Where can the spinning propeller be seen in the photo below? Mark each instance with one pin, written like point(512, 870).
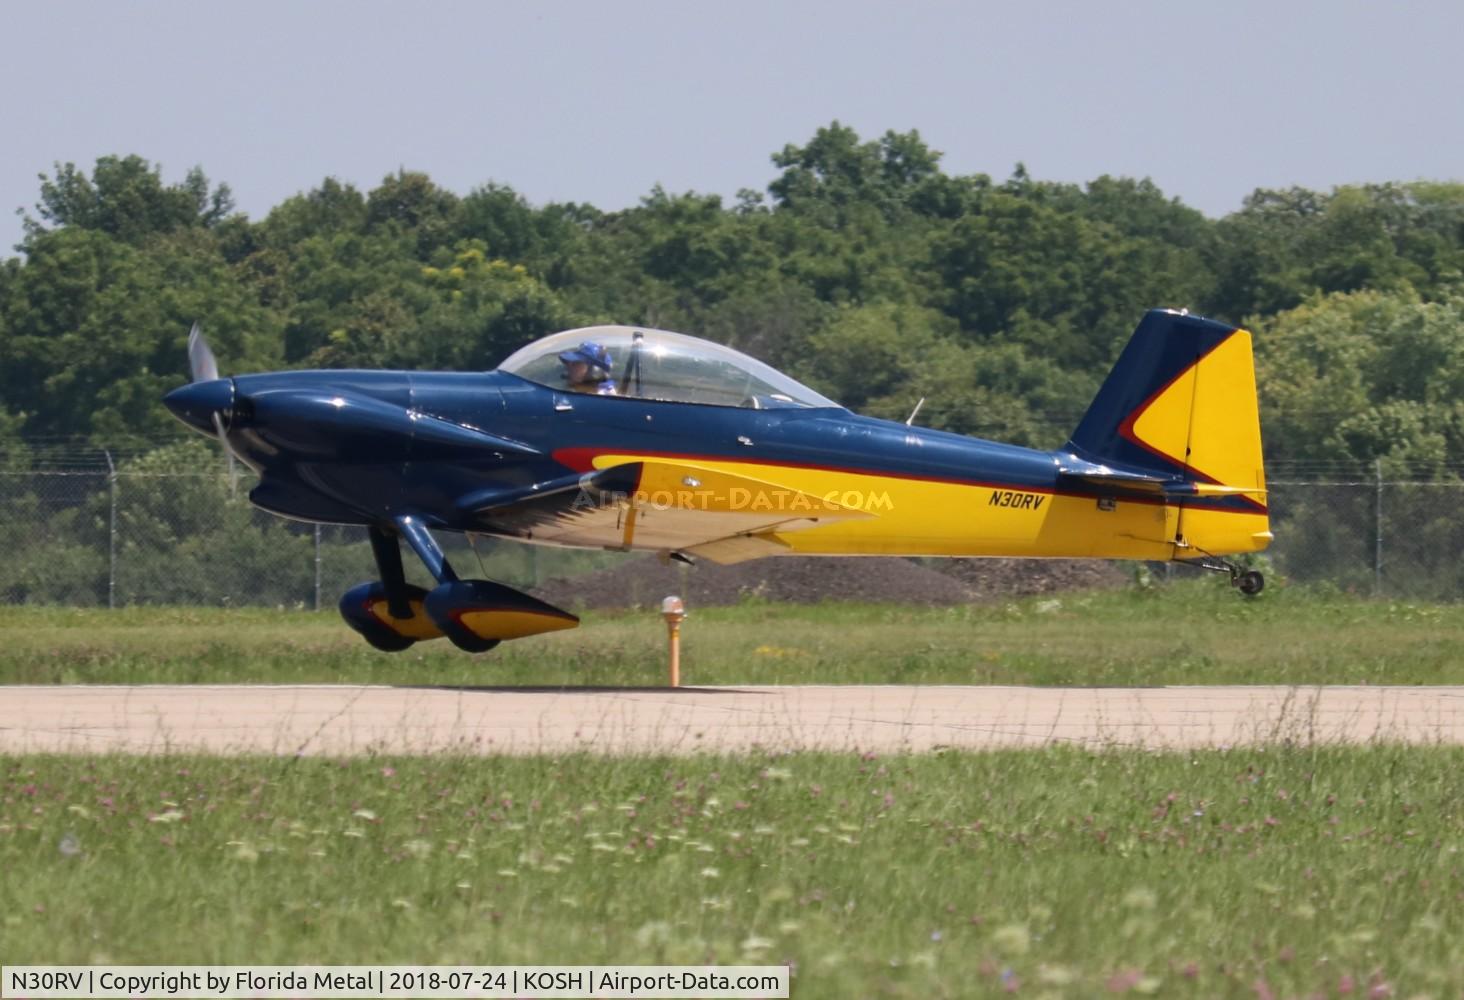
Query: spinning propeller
point(207, 401)
point(201, 361)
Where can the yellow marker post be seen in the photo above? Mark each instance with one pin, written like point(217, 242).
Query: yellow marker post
point(673, 609)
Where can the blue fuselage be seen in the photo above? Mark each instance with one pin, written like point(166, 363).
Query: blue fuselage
point(360, 447)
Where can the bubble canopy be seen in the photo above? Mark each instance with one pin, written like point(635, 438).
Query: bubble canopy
point(659, 364)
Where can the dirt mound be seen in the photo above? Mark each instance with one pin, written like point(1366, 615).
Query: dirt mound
point(994, 579)
point(806, 580)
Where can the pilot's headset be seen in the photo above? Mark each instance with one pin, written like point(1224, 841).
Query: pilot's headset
point(593, 354)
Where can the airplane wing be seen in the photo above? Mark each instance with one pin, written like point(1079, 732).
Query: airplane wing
point(721, 516)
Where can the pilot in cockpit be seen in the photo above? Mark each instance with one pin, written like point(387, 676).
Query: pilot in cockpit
point(587, 369)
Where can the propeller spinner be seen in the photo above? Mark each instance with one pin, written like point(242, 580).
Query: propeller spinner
point(207, 403)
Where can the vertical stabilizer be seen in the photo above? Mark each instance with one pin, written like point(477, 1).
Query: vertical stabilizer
point(1180, 404)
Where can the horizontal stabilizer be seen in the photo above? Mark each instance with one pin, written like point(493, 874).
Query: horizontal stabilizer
point(1122, 482)
point(1169, 487)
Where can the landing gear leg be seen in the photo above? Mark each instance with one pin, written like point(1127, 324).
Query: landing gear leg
point(389, 567)
point(1249, 582)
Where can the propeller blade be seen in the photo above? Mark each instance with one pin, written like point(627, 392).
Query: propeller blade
point(201, 363)
point(218, 422)
point(204, 367)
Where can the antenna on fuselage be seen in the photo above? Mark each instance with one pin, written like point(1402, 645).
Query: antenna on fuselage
point(911, 418)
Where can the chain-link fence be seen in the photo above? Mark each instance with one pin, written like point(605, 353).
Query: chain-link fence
point(115, 538)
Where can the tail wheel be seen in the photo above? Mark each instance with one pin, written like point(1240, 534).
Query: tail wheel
point(1250, 583)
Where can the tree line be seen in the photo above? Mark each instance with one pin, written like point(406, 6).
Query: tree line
point(863, 268)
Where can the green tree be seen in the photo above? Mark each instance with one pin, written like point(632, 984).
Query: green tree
point(1362, 376)
point(96, 331)
point(125, 197)
point(882, 360)
point(1027, 272)
point(409, 202)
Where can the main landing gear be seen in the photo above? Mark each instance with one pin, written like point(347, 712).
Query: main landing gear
point(475, 615)
point(1249, 582)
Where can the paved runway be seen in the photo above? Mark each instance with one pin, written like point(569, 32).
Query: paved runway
point(338, 720)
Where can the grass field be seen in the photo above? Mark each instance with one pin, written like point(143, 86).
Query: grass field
point(1197, 632)
point(1279, 872)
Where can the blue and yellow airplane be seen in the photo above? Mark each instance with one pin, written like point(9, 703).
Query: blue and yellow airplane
point(624, 438)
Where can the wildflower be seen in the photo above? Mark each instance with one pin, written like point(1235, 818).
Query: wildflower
point(710, 873)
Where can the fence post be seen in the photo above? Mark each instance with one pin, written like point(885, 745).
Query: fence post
point(1378, 533)
point(317, 567)
point(111, 531)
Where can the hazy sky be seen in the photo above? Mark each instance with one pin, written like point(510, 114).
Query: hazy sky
point(598, 102)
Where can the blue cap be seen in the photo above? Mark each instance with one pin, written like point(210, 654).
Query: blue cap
point(590, 353)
